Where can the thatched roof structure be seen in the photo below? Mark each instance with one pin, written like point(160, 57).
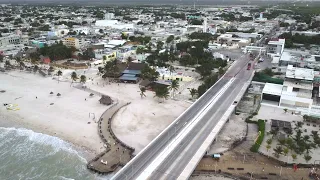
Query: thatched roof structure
point(106, 100)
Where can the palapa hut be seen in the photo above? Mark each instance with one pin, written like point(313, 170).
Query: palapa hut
point(106, 100)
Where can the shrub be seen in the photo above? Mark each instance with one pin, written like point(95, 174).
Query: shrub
point(262, 77)
point(261, 126)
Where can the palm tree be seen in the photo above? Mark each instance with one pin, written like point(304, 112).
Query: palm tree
point(294, 157)
point(83, 79)
point(308, 147)
point(51, 69)
point(285, 110)
point(255, 97)
point(277, 151)
point(21, 64)
point(101, 70)
point(221, 71)
point(18, 60)
point(268, 148)
point(59, 73)
point(171, 69)
point(161, 93)
point(142, 91)
point(7, 63)
point(193, 92)
point(129, 59)
point(74, 77)
point(35, 68)
point(289, 143)
point(285, 152)
point(269, 141)
point(174, 86)
point(282, 142)
point(307, 157)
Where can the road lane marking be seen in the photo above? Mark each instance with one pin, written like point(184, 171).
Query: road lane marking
point(176, 140)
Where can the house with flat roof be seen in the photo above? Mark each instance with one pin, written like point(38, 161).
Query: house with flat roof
point(298, 59)
point(296, 91)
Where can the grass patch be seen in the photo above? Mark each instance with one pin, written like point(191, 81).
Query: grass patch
point(262, 126)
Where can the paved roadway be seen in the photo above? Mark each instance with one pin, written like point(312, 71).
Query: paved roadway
point(175, 163)
point(133, 169)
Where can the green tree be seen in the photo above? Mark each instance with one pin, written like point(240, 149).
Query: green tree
point(1, 58)
point(269, 141)
point(277, 151)
point(161, 92)
point(174, 86)
point(170, 39)
point(59, 73)
point(294, 157)
point(142, 91)
point(74, 77)
point(171, 69)
point(159, 45)
point(140, 50)
point(193, 92)
point(268, 148)
point(83, 79)
point(268, 72)
point(149, 73)
point(307, 157)
point(129, 59)
point(35, 68)
point(100, 70)
point(285, 110)
point(285, 152)
point(51, 69)
point(21, 64)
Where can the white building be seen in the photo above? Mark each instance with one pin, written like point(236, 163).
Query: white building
point(13, 39)
point(296, 91)
point(298, 59)
point(115, 24)
point(108, 16)
point(82, 29)
point(275, 47)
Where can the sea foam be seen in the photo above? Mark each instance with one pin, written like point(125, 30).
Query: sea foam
point(56, 143)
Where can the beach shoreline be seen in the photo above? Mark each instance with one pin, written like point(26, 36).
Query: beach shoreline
point(7, 121)
point(66, 117)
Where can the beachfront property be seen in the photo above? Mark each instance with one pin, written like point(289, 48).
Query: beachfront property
point(165, 74)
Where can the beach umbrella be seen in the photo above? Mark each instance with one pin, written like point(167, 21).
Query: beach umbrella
point(91, 94)
point(58, 94)
point(51, 92)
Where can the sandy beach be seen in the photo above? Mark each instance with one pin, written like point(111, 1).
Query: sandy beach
point(67, 118)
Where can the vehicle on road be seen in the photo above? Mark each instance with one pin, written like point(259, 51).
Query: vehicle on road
point(249, 66)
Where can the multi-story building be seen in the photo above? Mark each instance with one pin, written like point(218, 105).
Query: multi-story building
point(75, 42)
point(13, 39)
point(297, 87)
point(108, 16)
point(275, 47)
point(296, 91)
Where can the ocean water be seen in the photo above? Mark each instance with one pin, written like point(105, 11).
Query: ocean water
point(28, 155)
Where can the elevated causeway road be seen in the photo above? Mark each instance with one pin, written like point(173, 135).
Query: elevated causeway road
point(176, 160)
point(202, 116)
